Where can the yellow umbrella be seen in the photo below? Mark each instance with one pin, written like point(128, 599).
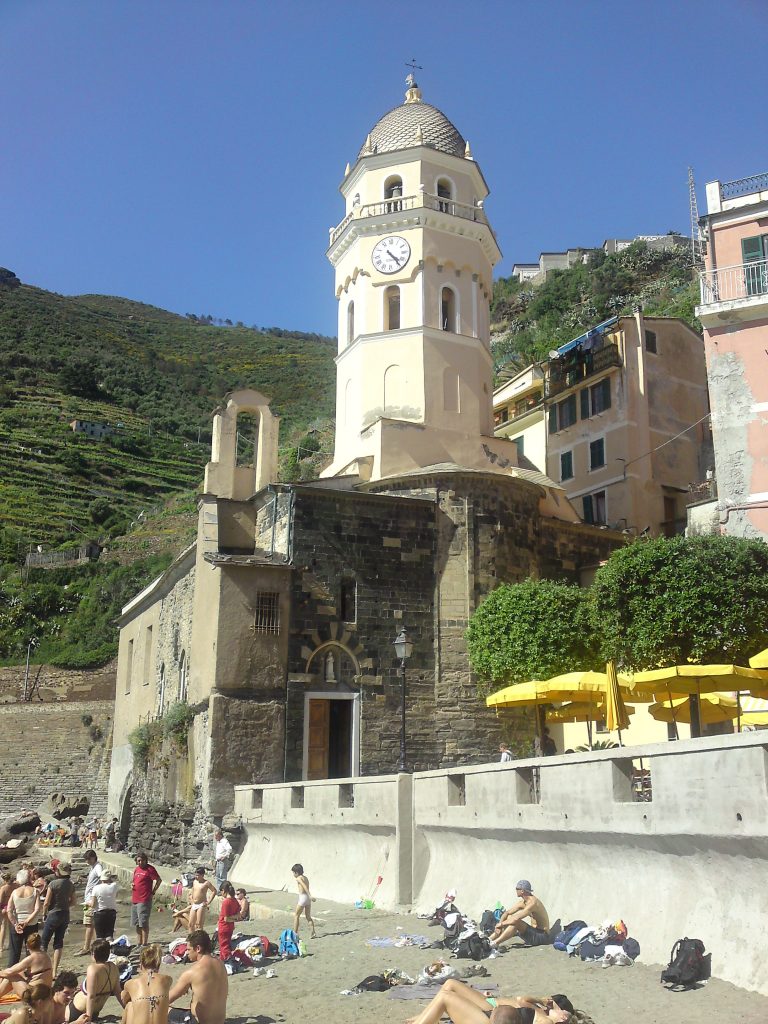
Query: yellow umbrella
point(714, 707)
point(616, 716)
point(580, 711)
point(687, 680)
point(759, 660)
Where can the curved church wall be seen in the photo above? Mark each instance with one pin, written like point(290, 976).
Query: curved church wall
point(693, 860)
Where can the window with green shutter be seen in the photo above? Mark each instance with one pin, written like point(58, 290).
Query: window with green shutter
point(754, 250)
point(553, 419)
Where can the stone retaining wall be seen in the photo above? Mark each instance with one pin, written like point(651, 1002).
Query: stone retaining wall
point(47, 749)
point(59, 684)
point(693, 860)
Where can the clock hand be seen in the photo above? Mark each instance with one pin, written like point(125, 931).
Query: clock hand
point(392, 255)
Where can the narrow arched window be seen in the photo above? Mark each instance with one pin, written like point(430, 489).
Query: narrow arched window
point(183, 677)
point(450, 390)
point(393, 390)
point(448, 309)
point(392, 308)
point(393, 192)
point(350, 322)
point(444, 194)
point(161, 690)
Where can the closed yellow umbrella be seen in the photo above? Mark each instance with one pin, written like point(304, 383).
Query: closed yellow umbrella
point(616, 716)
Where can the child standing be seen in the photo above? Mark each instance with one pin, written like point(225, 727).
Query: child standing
point(305, 899)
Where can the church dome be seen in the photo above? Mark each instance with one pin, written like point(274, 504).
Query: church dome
point(414, 123)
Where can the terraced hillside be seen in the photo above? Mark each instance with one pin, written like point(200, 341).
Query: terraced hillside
point(154, 377)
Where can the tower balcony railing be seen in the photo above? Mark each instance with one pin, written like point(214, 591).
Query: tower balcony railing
point(741, 281)
point(397, 204)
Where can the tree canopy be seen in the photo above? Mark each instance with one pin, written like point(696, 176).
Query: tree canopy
point(531, 630)
point(670, 601)
point(654, 603)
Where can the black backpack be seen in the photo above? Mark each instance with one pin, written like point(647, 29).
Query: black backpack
point(687, 964)
point(474, 947)
point(488, 922)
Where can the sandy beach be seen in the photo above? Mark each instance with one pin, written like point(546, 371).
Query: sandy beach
point(309, 989)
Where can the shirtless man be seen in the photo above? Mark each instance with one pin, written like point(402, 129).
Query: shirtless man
point(466, 1005)
point(513, 920)
point(201, 895)
point(207, 978)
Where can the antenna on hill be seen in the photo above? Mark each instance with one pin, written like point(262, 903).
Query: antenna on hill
point(695, 229)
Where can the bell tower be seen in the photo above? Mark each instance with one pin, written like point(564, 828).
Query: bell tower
point(413, 259)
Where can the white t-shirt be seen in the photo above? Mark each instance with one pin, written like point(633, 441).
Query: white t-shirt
point(94, 876)
point(223, 849)
point(105, 895)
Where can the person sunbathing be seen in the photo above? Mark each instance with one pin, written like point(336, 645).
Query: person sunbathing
point(35, 968)
point(513, 922)
point(466, 1005)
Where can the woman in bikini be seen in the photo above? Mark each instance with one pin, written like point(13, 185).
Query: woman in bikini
point(146, 998)
point(466, 1005)
point(102, 980)
point(33, 969)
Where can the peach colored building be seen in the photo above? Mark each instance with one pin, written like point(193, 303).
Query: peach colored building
point(627, 430)
point(734, 314)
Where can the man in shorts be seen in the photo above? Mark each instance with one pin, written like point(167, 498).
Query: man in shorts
point(207, 978)
point(144, 885)
point(513, 921)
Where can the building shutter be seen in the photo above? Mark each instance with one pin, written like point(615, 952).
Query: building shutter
point(585, 403)
point(553, 419)
point(751, 249)
point(589, 516)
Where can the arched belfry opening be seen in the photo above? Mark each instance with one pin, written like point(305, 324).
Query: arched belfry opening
point(244, 447)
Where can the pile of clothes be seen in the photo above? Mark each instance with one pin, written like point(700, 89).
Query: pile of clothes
point(608, 942)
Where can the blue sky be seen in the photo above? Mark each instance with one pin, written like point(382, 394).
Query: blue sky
point(187, 153)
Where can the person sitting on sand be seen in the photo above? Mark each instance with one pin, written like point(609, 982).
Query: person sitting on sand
point(145, 998)
point(512, 921)
point(207, 978)
point(36, 968)
point(245, 904)
point(466, 1005)
point(43, 1005)
point(305, 900)
point(102, 980)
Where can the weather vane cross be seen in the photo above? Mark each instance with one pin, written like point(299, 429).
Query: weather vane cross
point(410, 79)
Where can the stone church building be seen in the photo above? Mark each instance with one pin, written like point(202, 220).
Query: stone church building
point(277, 626)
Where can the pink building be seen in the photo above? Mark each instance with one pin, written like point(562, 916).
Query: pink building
point(734, 314)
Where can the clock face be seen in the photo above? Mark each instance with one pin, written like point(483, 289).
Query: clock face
point(391, 254)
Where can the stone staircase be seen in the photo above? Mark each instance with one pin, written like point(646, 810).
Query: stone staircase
point(45, 748)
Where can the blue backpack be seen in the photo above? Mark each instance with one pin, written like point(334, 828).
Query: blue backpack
point(288, 943)
point(565, 936)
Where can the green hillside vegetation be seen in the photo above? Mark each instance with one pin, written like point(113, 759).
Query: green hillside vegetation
point(528, 321)
point(155, 378)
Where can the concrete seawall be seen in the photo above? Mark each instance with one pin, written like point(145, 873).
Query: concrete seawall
point(693, 860)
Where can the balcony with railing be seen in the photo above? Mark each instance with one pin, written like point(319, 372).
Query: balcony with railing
point(577, 366)
point(743, 286)
point(397, 204)
point(744, 186)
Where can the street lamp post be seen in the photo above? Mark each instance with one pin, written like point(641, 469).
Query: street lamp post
point(403, 648)
point(32, 643)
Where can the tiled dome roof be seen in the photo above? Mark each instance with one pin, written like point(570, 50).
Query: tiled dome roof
point(414, 123)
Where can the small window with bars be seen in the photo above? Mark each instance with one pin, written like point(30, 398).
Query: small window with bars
point(266, 614)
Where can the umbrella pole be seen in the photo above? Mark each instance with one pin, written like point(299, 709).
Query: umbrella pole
point(674, 716)
point(589, 732)
point(738, 711)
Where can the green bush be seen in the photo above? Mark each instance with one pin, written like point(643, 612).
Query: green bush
point(144, 740)
point(176, 723)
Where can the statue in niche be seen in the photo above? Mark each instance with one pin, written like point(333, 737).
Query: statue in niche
point(330, 668)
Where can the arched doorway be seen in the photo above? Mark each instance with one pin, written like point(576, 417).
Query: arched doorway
point(332, 716)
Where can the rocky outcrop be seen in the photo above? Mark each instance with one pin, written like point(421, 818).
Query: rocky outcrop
point(62, 805)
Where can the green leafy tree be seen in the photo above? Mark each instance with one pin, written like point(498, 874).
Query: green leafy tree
point(531, 630)
point(672, 601)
